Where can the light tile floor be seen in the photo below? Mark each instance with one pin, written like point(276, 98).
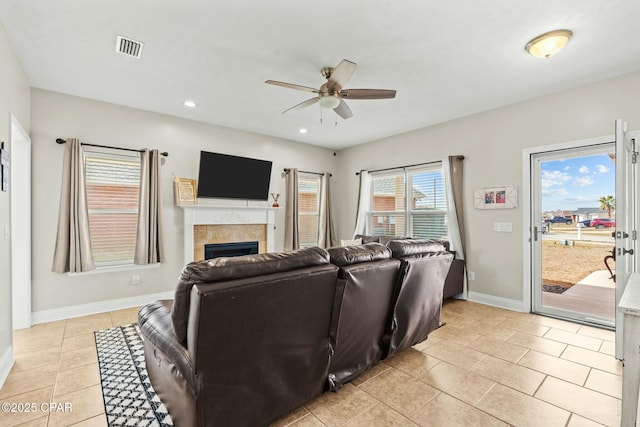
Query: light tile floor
point(487, 366)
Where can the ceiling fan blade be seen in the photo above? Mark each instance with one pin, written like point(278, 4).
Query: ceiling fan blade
point(302, 105)
point(343, 110)
point(292, 86)
point(367, 93)
point(341, 75)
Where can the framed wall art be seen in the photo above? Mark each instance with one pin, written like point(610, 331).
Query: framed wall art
point(185, 191)
point(499, 197)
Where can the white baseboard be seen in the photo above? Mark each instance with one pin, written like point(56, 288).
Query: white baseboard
point(509, 304)
point(6, 363)
point(96, 307)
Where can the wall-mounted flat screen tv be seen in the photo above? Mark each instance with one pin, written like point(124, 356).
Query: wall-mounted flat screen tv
point(232, 177)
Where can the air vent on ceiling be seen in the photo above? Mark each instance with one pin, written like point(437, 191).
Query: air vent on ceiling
point(129, 47)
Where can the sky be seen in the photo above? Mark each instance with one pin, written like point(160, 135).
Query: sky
point(577, 182)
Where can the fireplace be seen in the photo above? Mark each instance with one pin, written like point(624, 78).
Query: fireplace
point(216, 250)
point(222, 224)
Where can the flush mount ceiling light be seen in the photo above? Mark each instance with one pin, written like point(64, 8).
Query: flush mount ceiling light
point(189, 103)
point(548, 44)
point(302, 130)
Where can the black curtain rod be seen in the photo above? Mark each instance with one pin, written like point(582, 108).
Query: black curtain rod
point(62, 141)
point(407, 166)
point(286, 170)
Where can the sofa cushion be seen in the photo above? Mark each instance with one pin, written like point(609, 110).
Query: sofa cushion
point(222, 269)
point(347, 255)
point(403, 248)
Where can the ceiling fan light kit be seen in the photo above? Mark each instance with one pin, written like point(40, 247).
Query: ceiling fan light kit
point(331, 94)
point(548, 44)
point(329, 101)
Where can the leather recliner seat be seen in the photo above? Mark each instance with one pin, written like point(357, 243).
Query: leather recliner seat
point(367, 280)
point(418, 302)
point(247, 339)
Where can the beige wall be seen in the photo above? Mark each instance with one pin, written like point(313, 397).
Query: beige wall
point(56, 115)
point(492, 143)
point(14, 99)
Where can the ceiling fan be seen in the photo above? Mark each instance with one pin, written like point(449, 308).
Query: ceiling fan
point(331, 94)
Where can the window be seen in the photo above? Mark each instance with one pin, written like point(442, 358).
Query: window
point(409, 203)
point(113, 186)
point(308, 209)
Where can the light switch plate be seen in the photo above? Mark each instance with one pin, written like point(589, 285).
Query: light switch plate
point(503, 227)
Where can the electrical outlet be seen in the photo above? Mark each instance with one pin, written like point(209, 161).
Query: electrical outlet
point(471, 275)
point(135, 280)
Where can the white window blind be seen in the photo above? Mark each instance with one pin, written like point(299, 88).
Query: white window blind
point(428, 209)
point(421, 215)
point(113, 186)
point(308, 209)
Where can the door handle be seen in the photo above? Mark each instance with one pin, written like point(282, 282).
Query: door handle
point(623, 251)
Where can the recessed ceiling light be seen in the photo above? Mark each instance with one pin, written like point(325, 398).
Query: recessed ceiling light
point(189, 103)
point(303, 130)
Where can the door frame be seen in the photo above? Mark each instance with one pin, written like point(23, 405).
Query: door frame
point(527, 225)
point(536, 257)
point(20, 202)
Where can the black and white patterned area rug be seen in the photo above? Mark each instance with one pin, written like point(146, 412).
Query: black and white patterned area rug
point(129, 398)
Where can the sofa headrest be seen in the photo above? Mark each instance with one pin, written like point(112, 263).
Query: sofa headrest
point(367, 239)
point(386, 239)
point(402, 248)
point(220, 269)
point(379, 239)
point(347, 255)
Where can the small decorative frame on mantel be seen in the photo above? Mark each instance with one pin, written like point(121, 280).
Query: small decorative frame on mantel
point(185, 191)
point(500, 197)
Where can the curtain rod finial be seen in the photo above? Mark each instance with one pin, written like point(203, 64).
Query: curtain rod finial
point(60, 141)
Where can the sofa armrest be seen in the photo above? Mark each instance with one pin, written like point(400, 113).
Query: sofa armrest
point(156, 326)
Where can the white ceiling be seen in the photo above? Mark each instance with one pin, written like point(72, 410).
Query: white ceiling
point(446, 59)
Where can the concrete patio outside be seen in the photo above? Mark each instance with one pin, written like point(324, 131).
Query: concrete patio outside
point(595, 295)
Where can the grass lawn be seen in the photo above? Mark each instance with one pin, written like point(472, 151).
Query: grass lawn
point(566, 265)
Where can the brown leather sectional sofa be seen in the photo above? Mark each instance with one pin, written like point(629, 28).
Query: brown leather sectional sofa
point(247, 340)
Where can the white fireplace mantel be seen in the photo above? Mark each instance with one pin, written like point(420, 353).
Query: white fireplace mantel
point(220, 215)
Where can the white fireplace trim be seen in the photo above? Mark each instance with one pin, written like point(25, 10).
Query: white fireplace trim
point(217, 215)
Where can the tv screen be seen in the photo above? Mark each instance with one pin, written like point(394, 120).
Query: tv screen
point(232, 177)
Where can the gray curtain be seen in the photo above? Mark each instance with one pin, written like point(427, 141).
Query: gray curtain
point(149, 242)
point(73, 244)
point(291, 235)
point(326, 234)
